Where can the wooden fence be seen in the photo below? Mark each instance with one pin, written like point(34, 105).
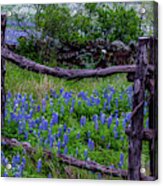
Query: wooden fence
point(144, 75)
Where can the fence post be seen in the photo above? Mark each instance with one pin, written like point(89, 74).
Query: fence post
point(3, 70)
point(136, 126)
point(153, 108)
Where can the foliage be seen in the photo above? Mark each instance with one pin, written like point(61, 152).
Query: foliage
point(97, 20)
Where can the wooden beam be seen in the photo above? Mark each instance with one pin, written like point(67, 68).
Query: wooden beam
point(88, 165)
point(30, 65)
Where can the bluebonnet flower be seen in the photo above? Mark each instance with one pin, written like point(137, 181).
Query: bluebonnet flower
point(117, 122)
point(96, 125)
point(15, 160)
point(59, 144)
point(85, 154)
point(71, 109)
point(61, 90)
point(64, 127)
point(38, 108)
point(44, 124)
point(97, 101)
point(95, 117)
point(82, 121)
point(9, 95)
point(110, 121)
point(112, 89)
point(20, 169)
point(83, 95)
point(115, 132)
point(26, 135)
point(59, 132)
point(53, 93)
point(116, 102)
point(121, 162)
point(90, 144)
point(95, 92)
point(43, 105)
point(3, 159)
point(5, 174)
point(39, 134)
point(65, 150)
point(65, 139)
point(124, 123)
point(102, 118)
point(39, 165)
point(17, 174)
point(104, 106)
point(108, 146)
point(121, 96)
point(103, 137)
point(23, 162)
point(68, 130)
point(128, 116)
point(79, 103)
point(54, 118)
point(51, 140)
point(88, 102)
point(78, 135)
point(88, 134)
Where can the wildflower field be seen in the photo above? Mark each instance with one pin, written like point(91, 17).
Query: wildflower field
point(84, 119)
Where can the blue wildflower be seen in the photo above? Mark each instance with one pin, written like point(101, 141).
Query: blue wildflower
point(65, 139)
point(78, 135)
point(39, 165)
point(110, 121)
point(5, 174)
point(65, 150)
point(82, 121)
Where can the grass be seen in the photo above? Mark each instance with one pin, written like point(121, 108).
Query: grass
point(25, 82)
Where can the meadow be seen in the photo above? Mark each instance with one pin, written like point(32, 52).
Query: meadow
point(84, 119)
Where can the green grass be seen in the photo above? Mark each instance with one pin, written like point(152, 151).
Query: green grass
point(23, 81)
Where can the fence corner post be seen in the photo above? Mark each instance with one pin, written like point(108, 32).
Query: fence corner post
point(136, 126)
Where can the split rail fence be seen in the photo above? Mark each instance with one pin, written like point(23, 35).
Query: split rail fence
point(144, 76)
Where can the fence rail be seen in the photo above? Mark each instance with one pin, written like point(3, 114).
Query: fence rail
point(143, 74)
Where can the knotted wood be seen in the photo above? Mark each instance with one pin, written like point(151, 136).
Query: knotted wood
point(135, 141)
point(30, 65)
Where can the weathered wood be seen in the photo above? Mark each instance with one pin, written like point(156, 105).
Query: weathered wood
point(3, 70)
point(88, 165)
point(153, 108)
point(63, 73)
point(146, 134)
point(135, 142)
